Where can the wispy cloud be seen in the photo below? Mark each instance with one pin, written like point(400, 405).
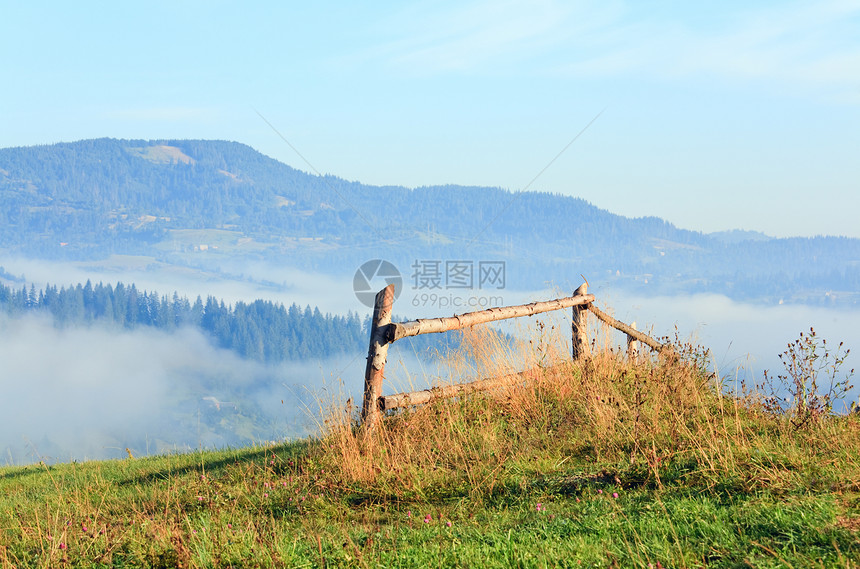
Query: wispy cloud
point(478, 35)
point(798, 45)
point(807, 44)
point(161, 114)
point(801, 43)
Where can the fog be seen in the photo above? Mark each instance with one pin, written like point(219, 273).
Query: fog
point(228, 281)
point(744, 339)
point(738, 334)
point(90, 393)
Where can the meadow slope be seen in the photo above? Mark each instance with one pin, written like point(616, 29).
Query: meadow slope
point(610, 462)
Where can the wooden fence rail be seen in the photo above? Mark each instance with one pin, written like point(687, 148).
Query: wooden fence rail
point(383, 333)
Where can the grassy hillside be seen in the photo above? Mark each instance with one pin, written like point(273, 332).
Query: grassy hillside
point(605, 463)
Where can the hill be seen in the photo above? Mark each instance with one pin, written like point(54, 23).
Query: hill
point(197, 202)
point(609, 463)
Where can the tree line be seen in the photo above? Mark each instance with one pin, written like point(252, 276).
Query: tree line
point(262, 330)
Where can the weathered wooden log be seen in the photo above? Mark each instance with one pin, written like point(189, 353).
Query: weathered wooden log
point(632, 345)
point(398, 330)
point(400, 400)
point(376, 356)
point(632, 332)
point(384, 332)
point(579, 346)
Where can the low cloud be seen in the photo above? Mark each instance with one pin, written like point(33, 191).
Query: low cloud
point(230, 280)
point(744, 339)
point(88, 393)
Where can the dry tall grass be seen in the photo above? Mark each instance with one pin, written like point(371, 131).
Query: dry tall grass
point(649, 417)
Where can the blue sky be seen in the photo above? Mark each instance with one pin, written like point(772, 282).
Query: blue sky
point(733, 115)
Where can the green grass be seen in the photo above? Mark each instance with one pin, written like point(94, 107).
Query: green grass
point(601, 464)
point(214, 509)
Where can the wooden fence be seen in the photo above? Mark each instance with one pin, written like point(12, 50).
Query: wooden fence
point(384, 332)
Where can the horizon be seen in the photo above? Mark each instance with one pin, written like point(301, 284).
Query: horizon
point(713, 119)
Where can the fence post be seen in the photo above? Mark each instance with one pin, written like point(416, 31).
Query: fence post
point(579, 327)
point(632, 345)
point(376, 356)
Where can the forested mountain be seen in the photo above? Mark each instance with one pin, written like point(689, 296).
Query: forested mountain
point(193, 202)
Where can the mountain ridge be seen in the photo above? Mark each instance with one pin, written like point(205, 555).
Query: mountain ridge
point(198, 201)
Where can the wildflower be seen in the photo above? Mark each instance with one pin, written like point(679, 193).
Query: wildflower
point(540, 507)
point(229, 526)
point(428, 518)
point(449, 523)
point(266, 495)
point(63, 546)
point(84, 528)
point(408, 513)
point(199, 498)
point(599, 491)
point(615, 494)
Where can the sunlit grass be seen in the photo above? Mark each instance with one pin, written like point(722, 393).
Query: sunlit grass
point(609, 462)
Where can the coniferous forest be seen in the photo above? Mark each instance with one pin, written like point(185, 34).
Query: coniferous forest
point(261, 330)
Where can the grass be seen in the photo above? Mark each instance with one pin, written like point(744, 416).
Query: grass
point(607, 463)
